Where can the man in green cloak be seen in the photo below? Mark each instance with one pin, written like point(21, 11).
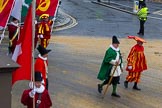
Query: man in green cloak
point(112, 58)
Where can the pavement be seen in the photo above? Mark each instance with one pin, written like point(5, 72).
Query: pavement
point(127, 6)
point(62, 20)
point(73, 67)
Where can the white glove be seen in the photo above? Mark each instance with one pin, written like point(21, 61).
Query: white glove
point(32, 93)
point(54, 19)
point(130, 67)
point(31, 85)
point(35, 21)
point(41, 36)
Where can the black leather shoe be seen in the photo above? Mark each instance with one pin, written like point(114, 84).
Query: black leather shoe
point(136, 88)
point(99, 88)
point(115, 95)
point(140, 34)
point(125, 84)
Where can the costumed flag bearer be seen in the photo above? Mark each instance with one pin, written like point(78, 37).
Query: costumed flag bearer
point(136, 63)
point(41, 64)
point(42, 98)
point(13, 29)
point(36, 34)
point(112, 58)
point(44, 31)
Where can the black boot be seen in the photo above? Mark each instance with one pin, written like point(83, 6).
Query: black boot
point(126, 84)
point(140, 34)
point(100, 88)
point(135, 87)
point(115, 95)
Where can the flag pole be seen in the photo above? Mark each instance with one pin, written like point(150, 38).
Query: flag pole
point(33, 36)
point(54, 18)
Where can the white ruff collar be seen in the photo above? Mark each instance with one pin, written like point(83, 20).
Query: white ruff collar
point(14, 24)
point(43, 58)
point(116, 49)
point(40, 90)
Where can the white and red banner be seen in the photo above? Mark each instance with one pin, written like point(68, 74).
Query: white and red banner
point(16, 11)
point(5, 10)
point(46, 7)
point(23, 51)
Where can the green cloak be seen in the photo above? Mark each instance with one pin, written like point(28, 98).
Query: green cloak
point(106, 66)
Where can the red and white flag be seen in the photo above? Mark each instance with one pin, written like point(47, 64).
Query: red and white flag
point(23, 51)
point(46, 7)
point(5, 10)
point(16, 11)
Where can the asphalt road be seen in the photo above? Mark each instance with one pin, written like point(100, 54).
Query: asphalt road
point(74, 63)
point(99, 21)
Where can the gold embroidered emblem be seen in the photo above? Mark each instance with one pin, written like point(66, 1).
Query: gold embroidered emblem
point(43, 5)
point(3, 4)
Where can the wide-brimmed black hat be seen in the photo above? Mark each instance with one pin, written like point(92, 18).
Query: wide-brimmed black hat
point(43, 50)
point(38, 76)
point(115, 40)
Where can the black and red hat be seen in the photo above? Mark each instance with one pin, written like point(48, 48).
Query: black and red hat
point(43, 50)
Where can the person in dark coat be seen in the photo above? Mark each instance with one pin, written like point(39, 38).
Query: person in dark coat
point(111, 59)
point(142, 16)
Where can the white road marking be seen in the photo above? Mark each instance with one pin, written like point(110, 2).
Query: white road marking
point(158, 12)
point(74, 23)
